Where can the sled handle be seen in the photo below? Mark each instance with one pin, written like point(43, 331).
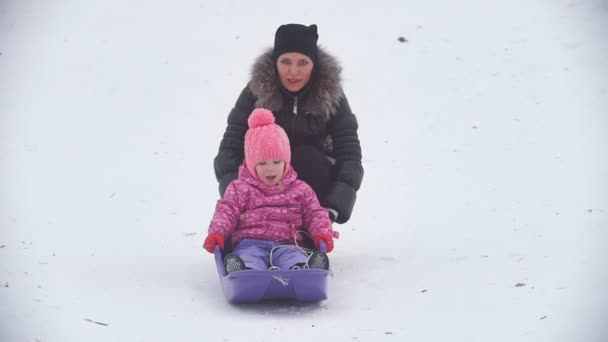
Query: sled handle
point(322, 246)
point(219, 262)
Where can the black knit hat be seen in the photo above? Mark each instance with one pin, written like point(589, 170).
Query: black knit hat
point(296, 38)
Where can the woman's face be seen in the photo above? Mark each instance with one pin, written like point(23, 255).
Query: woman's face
point(270, 171)
point(295, 70)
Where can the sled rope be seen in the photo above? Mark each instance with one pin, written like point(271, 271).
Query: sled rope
point(304, 250)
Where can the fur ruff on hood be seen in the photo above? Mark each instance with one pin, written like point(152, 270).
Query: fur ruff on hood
point(324, 95)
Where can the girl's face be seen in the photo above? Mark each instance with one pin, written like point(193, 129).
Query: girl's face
point(295, 70)
point(270, 172)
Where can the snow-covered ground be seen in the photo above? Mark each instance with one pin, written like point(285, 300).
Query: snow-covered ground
point(484, 210)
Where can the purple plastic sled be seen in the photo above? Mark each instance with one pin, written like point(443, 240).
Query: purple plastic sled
point(252, 286)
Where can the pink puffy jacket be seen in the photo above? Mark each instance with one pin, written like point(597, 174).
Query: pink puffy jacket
point(252, 209)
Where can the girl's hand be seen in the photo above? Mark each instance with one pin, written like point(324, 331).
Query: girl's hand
point(212, 240)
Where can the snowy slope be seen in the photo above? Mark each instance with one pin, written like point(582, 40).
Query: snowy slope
point(483, 212)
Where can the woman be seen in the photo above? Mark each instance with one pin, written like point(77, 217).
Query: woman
point(301, 84)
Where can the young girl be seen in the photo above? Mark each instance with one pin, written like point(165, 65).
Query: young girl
point(267, 209)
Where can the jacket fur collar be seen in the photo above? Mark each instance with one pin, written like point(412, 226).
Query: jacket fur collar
point(323, 97)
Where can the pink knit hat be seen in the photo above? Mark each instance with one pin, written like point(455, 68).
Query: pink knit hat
point(265, 140)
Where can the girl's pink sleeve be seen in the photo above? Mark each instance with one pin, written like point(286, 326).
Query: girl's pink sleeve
point(315, 217)
point(227, 212)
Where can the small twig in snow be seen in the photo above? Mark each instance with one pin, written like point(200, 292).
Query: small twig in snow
point(100, 323)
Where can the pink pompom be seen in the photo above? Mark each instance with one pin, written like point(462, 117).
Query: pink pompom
point(260, 117)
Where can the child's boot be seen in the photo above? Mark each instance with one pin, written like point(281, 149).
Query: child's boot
point(318, 260)
point(233, 263)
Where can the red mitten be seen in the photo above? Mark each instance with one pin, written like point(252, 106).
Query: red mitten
point(212, 240)
point(329, 242)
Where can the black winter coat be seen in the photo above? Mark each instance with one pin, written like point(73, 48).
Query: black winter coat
point(318, 116)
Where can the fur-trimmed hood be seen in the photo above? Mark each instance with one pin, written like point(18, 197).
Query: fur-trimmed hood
point(323, 97)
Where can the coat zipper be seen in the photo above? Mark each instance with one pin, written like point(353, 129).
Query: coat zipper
point(293, 118)
point(295, 105)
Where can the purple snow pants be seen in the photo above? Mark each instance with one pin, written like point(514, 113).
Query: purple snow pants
point(256, 254)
